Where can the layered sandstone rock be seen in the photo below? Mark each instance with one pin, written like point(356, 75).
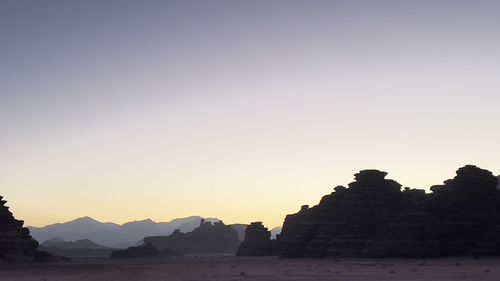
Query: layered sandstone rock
point(15, 240)
point(409, 234)
point(257, 241)
point(467, 212)
point(375, 218)
point(343, 221)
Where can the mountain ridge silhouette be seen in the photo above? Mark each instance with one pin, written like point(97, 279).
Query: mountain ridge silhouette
point(112, 234)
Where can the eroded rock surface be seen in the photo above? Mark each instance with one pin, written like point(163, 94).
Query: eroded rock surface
point(375, 218)
point(15, 240)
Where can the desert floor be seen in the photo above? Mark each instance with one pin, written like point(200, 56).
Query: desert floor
point(269, 268)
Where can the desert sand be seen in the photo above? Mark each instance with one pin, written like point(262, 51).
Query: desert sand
point(269, 268)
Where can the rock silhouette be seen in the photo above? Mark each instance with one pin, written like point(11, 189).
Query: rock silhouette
point(15, 240)
point(375, 218)
point(82, 248)
point(111, 234)
point(257, 241)
point(144, 251)
point(207, 238)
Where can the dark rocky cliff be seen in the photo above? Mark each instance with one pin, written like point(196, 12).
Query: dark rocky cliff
point(375, 218)
point(15, 240)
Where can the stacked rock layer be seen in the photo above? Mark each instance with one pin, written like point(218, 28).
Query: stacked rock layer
point(15, 240)
point(375, 218)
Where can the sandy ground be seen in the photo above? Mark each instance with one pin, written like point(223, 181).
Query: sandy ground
point(269, 268)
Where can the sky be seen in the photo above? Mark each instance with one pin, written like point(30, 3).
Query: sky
point(240, 110)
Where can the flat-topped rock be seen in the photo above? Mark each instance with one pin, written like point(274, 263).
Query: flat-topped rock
point(370, 175)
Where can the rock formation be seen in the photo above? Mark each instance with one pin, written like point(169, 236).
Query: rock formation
point(15, 240)
point(144, 251)
point(466, 215)
point(257, 241)
point(207, 238)
point(375, 218)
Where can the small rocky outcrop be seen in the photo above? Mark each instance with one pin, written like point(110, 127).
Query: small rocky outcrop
point(207, 238)
point(375, 218)
point(15, 240)
point(144, 251)
point(257, 241)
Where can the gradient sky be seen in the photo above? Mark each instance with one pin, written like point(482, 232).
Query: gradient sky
point(241, 110)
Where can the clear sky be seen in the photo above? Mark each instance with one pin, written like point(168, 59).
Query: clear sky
point(241, 110)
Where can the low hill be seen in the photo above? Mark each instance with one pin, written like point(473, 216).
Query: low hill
point(68, 245)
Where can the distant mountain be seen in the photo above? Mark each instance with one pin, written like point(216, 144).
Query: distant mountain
point(81, 228)
point(275, 231)
point(53, 241)
point(111, 234)
point(240, 228)
point(73, 249)
point(78, 244)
